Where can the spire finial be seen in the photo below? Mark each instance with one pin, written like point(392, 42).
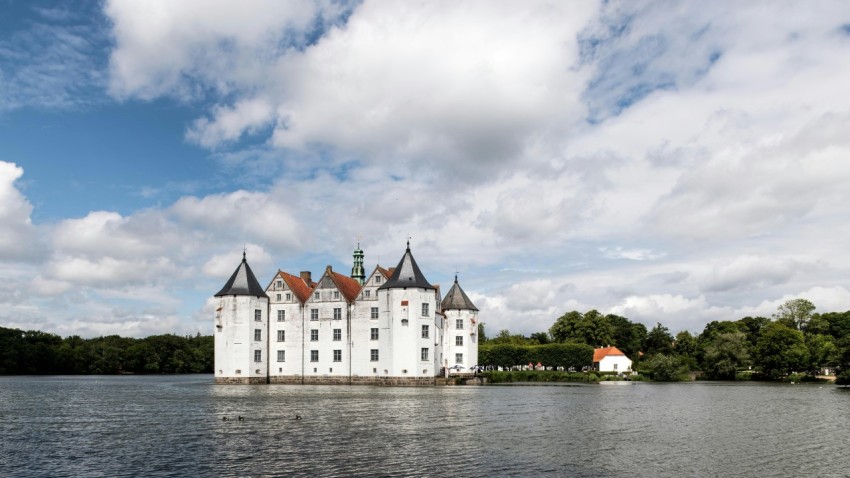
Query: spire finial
point(244, 250)
point(408, 243)
point(455, 277)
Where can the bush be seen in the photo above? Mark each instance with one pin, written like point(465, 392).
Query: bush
point(551, 355)
point(518, 376)
point(843, 378)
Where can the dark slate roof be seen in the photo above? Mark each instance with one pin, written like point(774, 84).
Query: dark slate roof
point(407, 274)
point(242, 282)
point(456, 299)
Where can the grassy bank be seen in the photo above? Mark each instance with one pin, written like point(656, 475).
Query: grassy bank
point(548, 376)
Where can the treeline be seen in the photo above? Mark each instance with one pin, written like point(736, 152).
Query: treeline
point(33, 352)
point(795, 342)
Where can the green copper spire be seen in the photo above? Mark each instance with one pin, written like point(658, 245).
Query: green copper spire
point(357, 272)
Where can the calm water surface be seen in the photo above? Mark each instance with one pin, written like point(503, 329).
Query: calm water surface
point(172, 426)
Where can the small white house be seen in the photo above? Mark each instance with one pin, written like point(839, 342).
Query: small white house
point(611, 359)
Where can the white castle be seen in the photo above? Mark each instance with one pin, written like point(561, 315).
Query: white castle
point(390, 328)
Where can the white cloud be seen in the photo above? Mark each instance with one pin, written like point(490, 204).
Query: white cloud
point(708, 185)
point(185, 48)
point(18, 237)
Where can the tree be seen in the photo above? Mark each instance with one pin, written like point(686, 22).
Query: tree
point(822, 352)
point(753, 326)
point(795, 313)
point(541, 338)
point(564, 327)
point(659, 340)
point(482, 337)
point(780, 350)
point(686, 344)
point(627, 336)
point(594, 329)
point(725, 355)
point(505, 337)
point(666, 368)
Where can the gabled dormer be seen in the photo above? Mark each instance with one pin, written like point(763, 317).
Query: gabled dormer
point(287, 288)
point(376, 279)
point(334, 287)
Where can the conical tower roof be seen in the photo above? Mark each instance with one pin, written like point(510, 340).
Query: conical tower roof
point(456, 299)
point(242, 282)
point(407, 274)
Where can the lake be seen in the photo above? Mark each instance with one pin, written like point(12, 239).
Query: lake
point(173, 426)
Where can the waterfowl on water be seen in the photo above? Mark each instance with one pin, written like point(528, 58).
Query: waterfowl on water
point(241, 418)
point(297, 417)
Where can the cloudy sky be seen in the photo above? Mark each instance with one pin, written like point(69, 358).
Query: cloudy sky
point(673, 162)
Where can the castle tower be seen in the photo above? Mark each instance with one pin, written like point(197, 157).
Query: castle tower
point(460, 337)
point(358, 273)
point(241, 329)
point(409, 323)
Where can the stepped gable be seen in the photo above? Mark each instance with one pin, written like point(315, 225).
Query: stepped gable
point(407, 274)
point(242, 282)
point(456, 299)
point(297, 285)
point(601, 353)
point(349, 287)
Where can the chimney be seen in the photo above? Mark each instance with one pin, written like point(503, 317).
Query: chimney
point(307, 277)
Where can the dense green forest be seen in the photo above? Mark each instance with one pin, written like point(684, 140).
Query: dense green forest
point(32, 352)
point(795, 342)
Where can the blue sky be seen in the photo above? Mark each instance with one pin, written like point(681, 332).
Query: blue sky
point(668, 162)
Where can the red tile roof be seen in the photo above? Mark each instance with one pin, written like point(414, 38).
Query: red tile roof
point(386, 272)
point(348, 286)
point(297, 285)
point(601, 353)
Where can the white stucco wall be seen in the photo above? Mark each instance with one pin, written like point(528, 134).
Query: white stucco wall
point(615, 363)
point(234, 337)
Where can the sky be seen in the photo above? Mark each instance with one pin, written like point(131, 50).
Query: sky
point(672, 162)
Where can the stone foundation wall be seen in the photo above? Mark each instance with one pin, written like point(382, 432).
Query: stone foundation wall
point(240, 380)
point(345, 380)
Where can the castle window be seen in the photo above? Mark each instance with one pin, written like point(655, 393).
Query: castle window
point(425, 309)
point(374, 355)
point(281, 355)
point(459, 340)
point(288, 296)
point(314, 314)
point(458, 358)
point(377, 279)
point(459, 324)
point(424, 353)
point(337, 313)
point(337, 355)
point(281, 315)
point(281, 336)
point(258, 356)
point(258, 315)
point(279, 284)
point(314, 335)
point(258, 335)
point(374, 333)
point(424, 331)
point(336, 295)
point(316, 295)
point(374, 312)
point(278, 297)
point(367, 293)
point(314, 356)
point(337, 334)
